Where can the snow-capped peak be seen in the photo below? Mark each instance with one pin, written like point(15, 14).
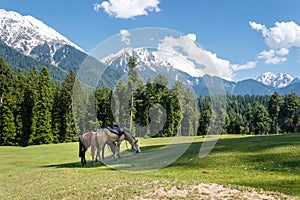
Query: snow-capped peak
point(278, 80)
point(143, 55)
point(26, 32)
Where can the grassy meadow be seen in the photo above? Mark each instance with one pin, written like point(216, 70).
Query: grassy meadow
point(269, 163)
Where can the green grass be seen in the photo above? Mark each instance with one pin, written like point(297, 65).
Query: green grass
point(270, 163)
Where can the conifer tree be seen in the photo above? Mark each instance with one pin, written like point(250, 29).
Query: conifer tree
point(91, 115)
point(261, 119)
point(41, 123)
point(20, 83)
point(205, 120)
point(274, 106)
point(121, 99)
point(7, 127)
point(134, 82)
point(6, 109)
point(68, 132)
point(290, 112)
point(103, 107)
point(55, 112)
point(29, 100)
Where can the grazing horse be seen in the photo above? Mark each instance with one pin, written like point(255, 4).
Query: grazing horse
point(97, 141)
point(105, 136)
point(86, 140)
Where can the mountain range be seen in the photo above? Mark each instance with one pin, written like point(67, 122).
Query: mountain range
point(26, 41)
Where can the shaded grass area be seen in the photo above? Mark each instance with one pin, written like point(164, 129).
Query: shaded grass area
point(270, 163)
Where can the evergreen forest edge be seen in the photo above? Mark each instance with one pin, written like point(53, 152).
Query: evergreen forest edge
point(35, 110)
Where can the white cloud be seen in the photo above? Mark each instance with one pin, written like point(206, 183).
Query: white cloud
point(125, 37)
point(184, 54)
point(192, 36)
point(97, 6)
point(283, 35)
point(274, 56)
point(128, 8)
point(248, 65)
point(282, 52)
point(279, 39)
point(259, 27)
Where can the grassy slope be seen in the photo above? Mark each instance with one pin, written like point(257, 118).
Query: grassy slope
point(53, 171)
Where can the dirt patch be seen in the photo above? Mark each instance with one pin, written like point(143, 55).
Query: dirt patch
point(207, 191)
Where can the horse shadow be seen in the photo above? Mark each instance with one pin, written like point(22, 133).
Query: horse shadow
point(98, 164)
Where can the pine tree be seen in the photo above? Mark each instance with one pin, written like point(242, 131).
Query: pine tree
point(134, 82)
point(91, 115)
point(261, 119)
point(274, 106)
point(178, 90)
point(103, 107)
point(29, 100)
point(79, 106)
point(20, 83)
point(249, 119)
point(290, 112)
point(7, 128)
point(190, 113)
point(41, 124)
point(205, 120)
point(55, 112)
point(122, 99)
point(68, 132)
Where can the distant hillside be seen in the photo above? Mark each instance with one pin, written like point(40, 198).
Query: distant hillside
point(252, 87)
point(25, 63)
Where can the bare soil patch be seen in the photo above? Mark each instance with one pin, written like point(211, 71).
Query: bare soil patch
point(208, 191)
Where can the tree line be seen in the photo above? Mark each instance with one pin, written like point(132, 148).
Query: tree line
point(36, 110)
point(255, 114)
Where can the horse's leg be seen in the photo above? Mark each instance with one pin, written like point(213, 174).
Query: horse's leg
point(117, 152)
point(103, 152)
point(118, 147)
point(84, 160)
point(98, 155)
point(114, 149)
point(101, 148)
point(93, 154)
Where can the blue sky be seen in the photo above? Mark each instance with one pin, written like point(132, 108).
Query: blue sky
point(222, 27)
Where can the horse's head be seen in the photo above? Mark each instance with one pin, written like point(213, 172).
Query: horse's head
point(135, 146)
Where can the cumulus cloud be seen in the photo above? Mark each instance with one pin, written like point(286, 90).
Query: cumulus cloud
point(279, 39)
point(248, 65)
point(274, 56)
point(192, 36)
point(125, 37)
point(184, 54)
point(126, 9)
point(259, 27)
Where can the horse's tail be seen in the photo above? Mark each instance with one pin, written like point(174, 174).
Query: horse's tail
point(80, 148)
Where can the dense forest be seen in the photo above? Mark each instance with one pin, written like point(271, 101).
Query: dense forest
point(36, 110)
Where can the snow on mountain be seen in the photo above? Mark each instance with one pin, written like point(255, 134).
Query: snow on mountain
point(278, 80)
point(24, 33)
point(145, 59)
